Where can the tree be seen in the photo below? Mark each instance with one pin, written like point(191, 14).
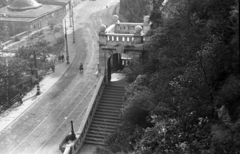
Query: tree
point(3, 3)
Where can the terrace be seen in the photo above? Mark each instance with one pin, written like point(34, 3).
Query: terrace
point(124, 34)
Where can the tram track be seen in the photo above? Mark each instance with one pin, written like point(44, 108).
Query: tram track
point(46, 131)
point(93, 41)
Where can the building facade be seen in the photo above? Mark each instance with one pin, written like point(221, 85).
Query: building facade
point(24, 15)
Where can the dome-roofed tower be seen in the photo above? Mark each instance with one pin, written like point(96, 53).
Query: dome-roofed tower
point(19, 5)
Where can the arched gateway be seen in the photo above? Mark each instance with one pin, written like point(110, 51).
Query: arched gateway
point(120, 42)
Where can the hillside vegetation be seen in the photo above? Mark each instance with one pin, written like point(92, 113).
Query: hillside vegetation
point(185, 98)
point(134, 10)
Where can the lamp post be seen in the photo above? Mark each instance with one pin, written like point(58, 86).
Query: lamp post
point(73, 25)
point(73, 135)
point(67, 55)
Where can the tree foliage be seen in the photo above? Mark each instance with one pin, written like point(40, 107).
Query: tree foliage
point(186, 96)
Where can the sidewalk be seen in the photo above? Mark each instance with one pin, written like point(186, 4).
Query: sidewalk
point(10, 115)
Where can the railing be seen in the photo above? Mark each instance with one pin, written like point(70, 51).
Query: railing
point(120, 37)
point(123, 39)
point(73, 148)
point(15, 99)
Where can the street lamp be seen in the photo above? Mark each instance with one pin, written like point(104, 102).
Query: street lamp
point(73, 135)
point(67, 55)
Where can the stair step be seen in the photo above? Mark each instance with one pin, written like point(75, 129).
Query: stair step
point(111, 101)
point(115, 95)
point(104, 123)
point(116, 114)
point(92, 141)
point(106, 117)
point(100, 130)
point(108, 108)
point(115, 87)
point(103, 120)
point(101, 135)
point(110, 105)
point(112, 96)
point(107, 113)
point(108, 91)
point(119, 99)
point(102, 126)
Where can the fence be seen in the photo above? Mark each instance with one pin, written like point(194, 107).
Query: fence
point(15, 99)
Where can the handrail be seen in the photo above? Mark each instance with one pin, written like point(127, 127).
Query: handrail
point(118, 34)
point(127, 23)
point(75, 147)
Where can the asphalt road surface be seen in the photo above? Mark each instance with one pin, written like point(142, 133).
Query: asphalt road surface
point(41, 128)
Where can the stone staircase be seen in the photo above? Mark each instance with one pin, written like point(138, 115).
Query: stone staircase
point(107, 115)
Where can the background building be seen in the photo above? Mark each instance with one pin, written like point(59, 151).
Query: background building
point(24, 15)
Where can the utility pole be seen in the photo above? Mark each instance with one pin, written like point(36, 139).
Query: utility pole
point(7, 82)
point(70, 7)
point(73, 25)
point(36, 71)
point(67, 55)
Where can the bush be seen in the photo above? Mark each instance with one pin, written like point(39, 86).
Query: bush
point(60, 40)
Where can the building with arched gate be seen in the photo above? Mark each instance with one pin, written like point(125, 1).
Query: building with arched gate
point(119, 43)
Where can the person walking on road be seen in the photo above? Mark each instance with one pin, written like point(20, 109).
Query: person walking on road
point(81, 67)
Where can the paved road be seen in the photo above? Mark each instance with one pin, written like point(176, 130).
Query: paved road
point(41, 128)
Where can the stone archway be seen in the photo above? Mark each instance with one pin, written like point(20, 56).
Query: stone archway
point(115, 40)
point(110, 60)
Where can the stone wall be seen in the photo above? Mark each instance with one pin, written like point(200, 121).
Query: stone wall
point(134, 10)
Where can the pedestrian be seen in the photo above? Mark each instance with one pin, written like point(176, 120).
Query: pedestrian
point(62, 58)
point(20, 97)
point(81, 67)
point(53, 67)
